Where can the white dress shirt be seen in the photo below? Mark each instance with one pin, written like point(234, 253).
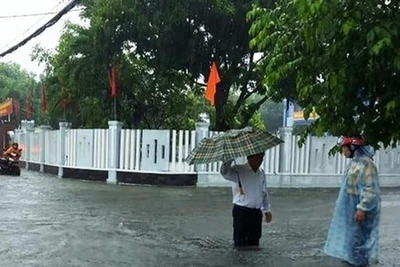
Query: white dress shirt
point(253, 183)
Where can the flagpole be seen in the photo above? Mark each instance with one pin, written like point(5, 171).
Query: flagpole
point(115, 108)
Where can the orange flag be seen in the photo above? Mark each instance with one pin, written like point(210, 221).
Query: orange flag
point(213, 80)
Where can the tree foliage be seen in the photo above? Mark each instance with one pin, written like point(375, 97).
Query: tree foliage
point(146, 99)
point(15, 83)
point(162, 50)
point(272, 115)
point(341, 57)
point(185, 37)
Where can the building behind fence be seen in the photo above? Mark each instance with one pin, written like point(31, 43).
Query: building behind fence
point(145, 156)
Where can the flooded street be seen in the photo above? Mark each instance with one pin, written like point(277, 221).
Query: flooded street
point(46, 221)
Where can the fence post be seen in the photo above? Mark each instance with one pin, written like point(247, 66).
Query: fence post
point(17, 136)
point(61, 147)
point(285, 155)
point(202, 129)
point(113, 150)
point(42, 145)
point(28, 127)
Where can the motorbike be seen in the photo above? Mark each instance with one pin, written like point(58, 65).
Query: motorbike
point(10, 166)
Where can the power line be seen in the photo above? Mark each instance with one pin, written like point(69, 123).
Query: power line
point(35, 14)
point(39, 31)
point(26, 31)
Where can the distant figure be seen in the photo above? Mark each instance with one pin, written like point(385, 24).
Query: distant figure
point(13, 149)
point(354, 231)
point(249, 201)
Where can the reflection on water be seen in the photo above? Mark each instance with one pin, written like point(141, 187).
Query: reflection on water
point(46, 221)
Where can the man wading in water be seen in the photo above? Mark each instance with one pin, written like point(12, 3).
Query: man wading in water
point(250, 200)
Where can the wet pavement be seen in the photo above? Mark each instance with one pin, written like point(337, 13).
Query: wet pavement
point(46, 221)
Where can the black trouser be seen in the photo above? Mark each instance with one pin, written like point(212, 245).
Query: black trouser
point(247, 226)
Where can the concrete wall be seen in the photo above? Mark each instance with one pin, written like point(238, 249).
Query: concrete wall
point(157, 157)
point(123, 177)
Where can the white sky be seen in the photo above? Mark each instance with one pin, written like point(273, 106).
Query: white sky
point(13, 30)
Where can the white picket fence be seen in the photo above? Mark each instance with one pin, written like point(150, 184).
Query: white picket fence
point(166, 150)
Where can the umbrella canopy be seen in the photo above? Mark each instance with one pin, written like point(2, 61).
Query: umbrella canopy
point(232, 144)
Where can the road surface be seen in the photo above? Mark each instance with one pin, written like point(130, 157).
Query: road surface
point(47, 221)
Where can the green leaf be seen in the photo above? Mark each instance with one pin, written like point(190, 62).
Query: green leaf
point(348, 26)
point(391, 105)
point(397, 62)
point(333, 80)
point(381, 44)
point(370, 36)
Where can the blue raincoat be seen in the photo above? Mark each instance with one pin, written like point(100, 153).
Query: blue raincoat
point(353, 242)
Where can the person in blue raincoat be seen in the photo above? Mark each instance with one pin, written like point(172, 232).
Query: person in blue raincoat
point(353, 235)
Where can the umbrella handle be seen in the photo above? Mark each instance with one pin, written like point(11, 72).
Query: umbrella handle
point(239, 182)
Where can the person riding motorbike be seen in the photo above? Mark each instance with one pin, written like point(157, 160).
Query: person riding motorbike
point(13, 149)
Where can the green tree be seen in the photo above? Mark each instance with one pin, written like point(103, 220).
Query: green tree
point(342, 58)
point(147, 97)
point(75, 72)
point(186, 36)
point(272, 115)
point(15, 83)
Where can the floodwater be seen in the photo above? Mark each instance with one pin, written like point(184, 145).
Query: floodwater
point(47, 221)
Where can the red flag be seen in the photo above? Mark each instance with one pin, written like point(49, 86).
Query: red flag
point(213, 80)
point(113, 81)
point(17, 109)
point(44, 99)
point(29, 105)
point(64, 96)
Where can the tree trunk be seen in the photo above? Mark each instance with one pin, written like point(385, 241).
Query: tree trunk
point(221, 98)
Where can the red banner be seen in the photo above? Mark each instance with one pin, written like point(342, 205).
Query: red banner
point(17, 109)
point(113, 81)
point(44, 98)
point(29, 105)
point(64, 98)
